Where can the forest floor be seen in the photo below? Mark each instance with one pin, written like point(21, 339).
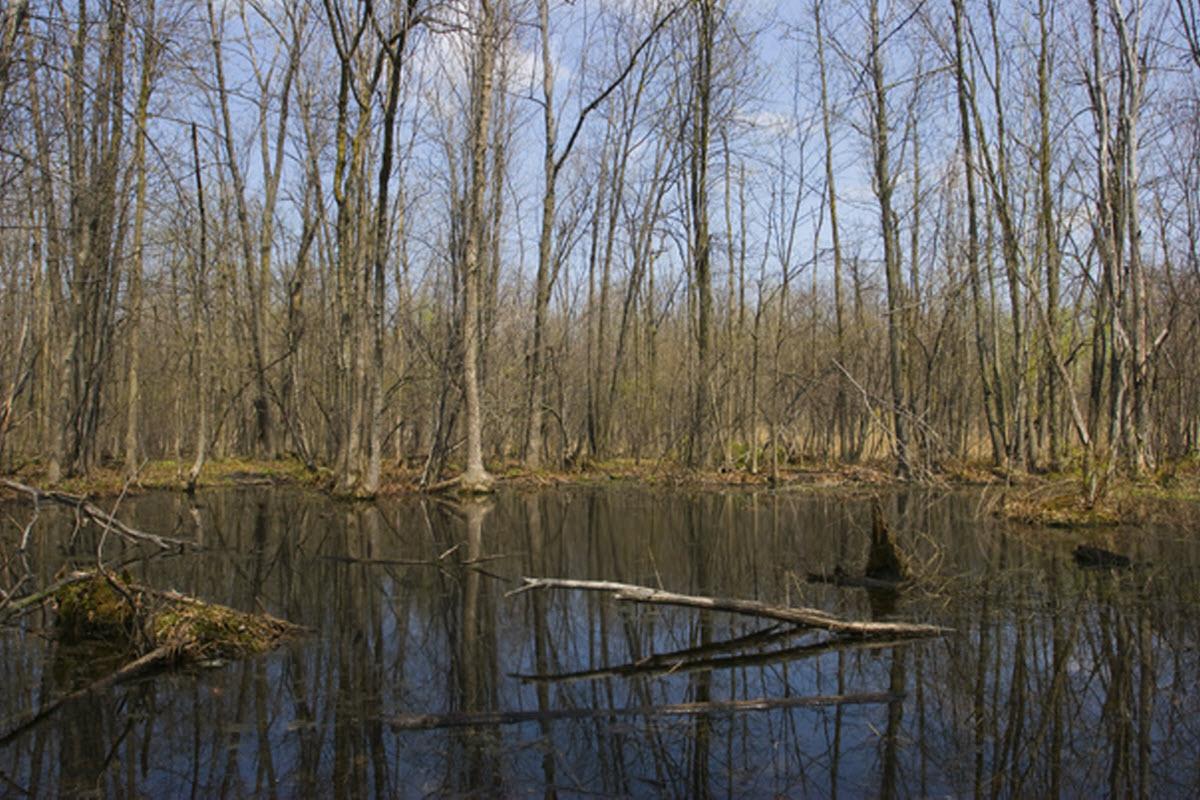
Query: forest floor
point(1054, 499)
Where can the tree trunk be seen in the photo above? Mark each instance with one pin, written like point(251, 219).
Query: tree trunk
point(891, 251)
point(698, 442)
point(475, 477)
point(133, 389)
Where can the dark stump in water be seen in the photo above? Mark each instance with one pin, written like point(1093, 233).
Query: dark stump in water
point(1099, 558)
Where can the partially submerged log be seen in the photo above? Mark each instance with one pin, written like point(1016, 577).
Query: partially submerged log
point(154, 660)
point(808, 617)
point(1098, 558)
point(469, 719)
point(682, 661)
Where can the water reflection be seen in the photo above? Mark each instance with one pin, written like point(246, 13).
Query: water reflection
point(1058, 681)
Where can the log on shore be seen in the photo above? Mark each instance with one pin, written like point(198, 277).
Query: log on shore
point(809, 617)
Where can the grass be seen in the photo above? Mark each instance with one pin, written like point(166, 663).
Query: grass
point(1169, 495)
point(109, 479)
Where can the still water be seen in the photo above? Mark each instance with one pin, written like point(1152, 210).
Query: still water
point(1057, 681)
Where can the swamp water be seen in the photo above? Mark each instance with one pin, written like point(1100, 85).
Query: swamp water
point(1057, 681)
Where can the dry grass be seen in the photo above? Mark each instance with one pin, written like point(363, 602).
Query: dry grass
point(109, 480)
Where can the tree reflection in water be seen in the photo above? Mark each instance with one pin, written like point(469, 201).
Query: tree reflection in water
point(1057, 681)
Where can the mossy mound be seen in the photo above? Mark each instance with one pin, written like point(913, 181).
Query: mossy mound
point(93, 609)
point(207, 631)
point(112, 609)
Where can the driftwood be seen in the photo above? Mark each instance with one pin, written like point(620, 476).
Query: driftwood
point(469, 719)
point(94, 513)
point(808, 617)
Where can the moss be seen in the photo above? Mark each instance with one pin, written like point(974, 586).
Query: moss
point(94, 610)
point(109, 480)
point(212, 631)
point(125, 616)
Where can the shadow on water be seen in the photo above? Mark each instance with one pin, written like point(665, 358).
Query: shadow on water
point(1057, 681)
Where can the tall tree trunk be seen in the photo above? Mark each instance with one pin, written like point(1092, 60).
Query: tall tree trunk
point(981, 349)
point(1048, 242)
point(394, 52)
point(475, 477)
point(698, 442)
point(133, 388)
point(199, 322)
point(884, 188)
point(533, 439)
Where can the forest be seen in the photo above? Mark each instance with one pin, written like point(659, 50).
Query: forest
point(449, 236)
point(616, 398)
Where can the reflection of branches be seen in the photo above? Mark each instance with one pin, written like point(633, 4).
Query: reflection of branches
point(684, 661)
point(7, 595)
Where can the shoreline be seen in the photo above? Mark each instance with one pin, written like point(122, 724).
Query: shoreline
point(1048, 501)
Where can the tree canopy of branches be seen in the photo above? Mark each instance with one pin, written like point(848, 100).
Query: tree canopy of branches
point(447, 234)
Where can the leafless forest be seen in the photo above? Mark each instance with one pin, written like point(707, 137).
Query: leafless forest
point(454, 233)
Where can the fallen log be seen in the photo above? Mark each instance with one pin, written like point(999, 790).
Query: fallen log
point(16, 606)
point(94, 513)
point(471, 719)
point(809, 617)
